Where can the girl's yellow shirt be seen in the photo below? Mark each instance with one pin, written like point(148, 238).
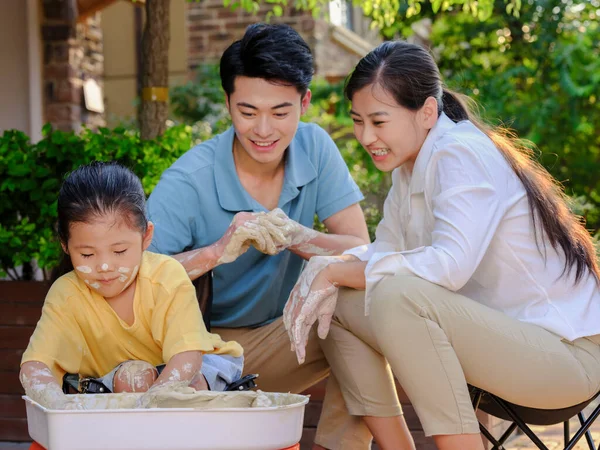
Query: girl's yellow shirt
point(80, 333)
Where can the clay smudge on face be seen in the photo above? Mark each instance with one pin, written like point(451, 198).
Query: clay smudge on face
point(95, 285)
point(84, 269)
point(104, 267)
point(123, 271)
point(131, 279)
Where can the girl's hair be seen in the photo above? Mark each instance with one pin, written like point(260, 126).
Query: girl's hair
point(95, 190)
point(409, 73)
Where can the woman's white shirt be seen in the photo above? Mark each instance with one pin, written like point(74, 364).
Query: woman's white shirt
point(461, 220)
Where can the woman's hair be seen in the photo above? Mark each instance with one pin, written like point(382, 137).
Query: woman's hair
point(409, 73)
point(95, 190)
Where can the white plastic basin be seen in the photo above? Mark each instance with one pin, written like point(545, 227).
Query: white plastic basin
point(259, 428)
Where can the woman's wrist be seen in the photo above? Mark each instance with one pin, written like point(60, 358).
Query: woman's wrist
point(347, 273)
point(335, 273)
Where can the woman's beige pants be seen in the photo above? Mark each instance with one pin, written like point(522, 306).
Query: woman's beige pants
point(437, 341)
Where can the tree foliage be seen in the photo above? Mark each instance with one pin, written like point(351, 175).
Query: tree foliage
point(31, 176)
point(385, 14)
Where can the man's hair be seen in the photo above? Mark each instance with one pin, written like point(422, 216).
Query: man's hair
point(275, 53)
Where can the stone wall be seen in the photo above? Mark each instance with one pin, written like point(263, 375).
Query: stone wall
point(72, 54)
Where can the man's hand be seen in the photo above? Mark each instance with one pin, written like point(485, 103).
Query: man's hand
point(270, 233)
point(287, 232)
point(243, 231)
point(313, 298)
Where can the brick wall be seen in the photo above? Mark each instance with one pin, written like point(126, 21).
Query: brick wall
point(212, 28)
point(72, 53)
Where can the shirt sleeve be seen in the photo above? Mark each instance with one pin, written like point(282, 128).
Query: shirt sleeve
point(337, 190)
point(467, 211)
point(172, 207)
point(57, 340)
point(177, 321)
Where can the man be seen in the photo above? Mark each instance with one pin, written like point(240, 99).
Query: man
point(216, 199)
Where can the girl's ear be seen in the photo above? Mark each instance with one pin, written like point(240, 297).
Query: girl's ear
point(64, 247)
point(147, 238)
point(429, 113)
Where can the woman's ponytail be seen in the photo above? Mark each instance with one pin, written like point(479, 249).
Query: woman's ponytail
point(454, 106)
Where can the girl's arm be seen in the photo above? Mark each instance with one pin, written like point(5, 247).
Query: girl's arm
point(42, 387)
point(183, 366)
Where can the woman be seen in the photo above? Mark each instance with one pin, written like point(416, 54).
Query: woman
point(479, 272)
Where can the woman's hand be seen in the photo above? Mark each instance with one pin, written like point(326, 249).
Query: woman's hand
point(313, 298)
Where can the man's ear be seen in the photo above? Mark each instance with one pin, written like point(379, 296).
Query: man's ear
point(429, 113)
point(147, 238)
point(305, 102)
point(227, 101)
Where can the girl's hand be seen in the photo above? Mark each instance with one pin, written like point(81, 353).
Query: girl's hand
point(41, 386)
point(313, 298)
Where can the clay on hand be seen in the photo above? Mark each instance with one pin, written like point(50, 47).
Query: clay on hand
point(308, 303)
point(289, 233)
point(48, 393)
point(270, 233)
point(241, 233)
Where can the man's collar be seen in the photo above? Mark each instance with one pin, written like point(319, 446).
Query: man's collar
point(299, 171)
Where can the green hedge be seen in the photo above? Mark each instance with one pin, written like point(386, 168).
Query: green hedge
point(31, 175)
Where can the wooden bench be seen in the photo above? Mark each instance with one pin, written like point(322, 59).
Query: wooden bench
point(20, 309)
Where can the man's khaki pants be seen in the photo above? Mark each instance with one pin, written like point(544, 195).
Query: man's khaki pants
point(436, 341)
point(267, 352)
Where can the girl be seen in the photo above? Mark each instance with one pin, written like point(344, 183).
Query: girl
point(479, 272)
point(122, 310)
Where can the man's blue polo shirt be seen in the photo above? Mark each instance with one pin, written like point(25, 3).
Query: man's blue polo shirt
point(197, 197)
